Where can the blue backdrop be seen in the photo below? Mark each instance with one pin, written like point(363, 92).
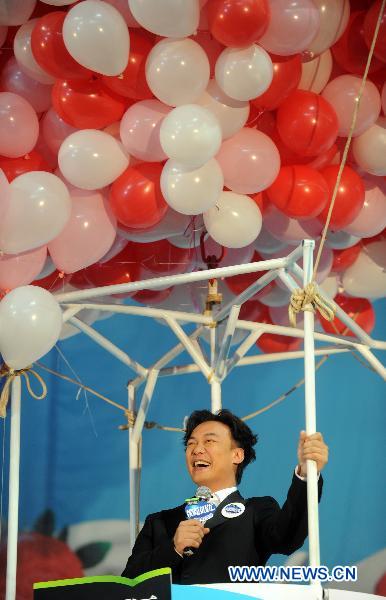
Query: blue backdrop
point(74, 459)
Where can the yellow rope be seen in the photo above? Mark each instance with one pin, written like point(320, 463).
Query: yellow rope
point(309, 299)
point(10, 375)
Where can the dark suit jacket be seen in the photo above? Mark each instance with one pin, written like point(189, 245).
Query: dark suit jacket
point(249, 539)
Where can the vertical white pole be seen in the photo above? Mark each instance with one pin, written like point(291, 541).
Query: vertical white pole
point(215, 384)
point(13, 499)
point(133, 474)
point(310, 410)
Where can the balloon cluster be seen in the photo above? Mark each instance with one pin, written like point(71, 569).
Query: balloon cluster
point(130, 127)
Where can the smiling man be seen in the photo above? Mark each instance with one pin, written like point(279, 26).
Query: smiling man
point(241, 531)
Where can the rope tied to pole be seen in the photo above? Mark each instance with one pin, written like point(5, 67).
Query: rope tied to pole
point(10, 375)
point(309, 299)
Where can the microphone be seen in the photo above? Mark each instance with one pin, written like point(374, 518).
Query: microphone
point(201, 507)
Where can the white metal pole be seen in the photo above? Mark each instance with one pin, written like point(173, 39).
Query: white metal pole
point(133, 473)
point(215, 385)
point(215, 388)
point(13, 498)
point(102, 341)
point(219, 363)
point(310, 410)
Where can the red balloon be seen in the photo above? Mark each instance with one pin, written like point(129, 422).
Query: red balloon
point(299, 191)
point(238, 283)
point(359, 309)
point(349, 199)
point(152, 296)
point(307, 123)
point(122, 268)
point(287, 71)
point(49, 50)
point(369, 29)
point(132, 83)
point(252, 310)
point(343, 259)
point(54, 282)
point(351, 51)
point(13, 167)
point(136, 197)
point(270, 342)
point(238, 23)
point(87, 104)
point(162, 258)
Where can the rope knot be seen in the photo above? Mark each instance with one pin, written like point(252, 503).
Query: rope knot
point(309, 299)
point(10, 375)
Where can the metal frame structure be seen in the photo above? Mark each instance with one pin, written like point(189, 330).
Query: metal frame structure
point(215, 369)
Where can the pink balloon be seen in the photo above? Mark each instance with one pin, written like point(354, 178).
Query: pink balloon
point(4, 193)
point(21, 269)
point(49, 157)
point(372, 218)
point(19, 125)
point(140, 127)
point(290, 230)
point(292, 27)
point(249, 160)
point(342, 93)
point(16, 12)
point(14, 79)
point(88, 235)
point(55, 130)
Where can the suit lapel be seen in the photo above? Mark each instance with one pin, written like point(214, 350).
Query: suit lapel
point(218, 518)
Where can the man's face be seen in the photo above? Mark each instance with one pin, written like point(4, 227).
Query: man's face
point(212, 456)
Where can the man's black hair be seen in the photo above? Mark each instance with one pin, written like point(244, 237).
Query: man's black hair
point(240, 433)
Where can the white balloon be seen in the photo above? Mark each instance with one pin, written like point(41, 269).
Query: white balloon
point(232, 114)
point(244, 73)
point(235, 221)
point(30, 324)
point(191, 135)
point(169, 18)
point(177, 71)
point(39, 209)
point(267, 243)
point(369, 149)
point(97, 37)
point(339, 240)
point(91, 159)
point(365, 278)
point(16, 12)
point(24, 56)
point(334, 16)
point(330, 285)
point(191, 192)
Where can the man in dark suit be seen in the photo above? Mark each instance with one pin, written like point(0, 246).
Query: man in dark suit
point(241, 531)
